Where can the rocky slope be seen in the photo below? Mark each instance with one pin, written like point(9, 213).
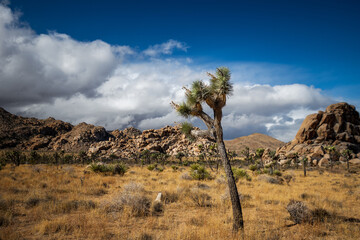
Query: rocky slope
point(54, 135)
point(338, 126)
point(49, 134)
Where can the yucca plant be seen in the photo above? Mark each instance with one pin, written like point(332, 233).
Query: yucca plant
point(214, 95)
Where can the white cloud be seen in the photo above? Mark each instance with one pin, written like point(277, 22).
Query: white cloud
point(166, 48)
point(114, 86)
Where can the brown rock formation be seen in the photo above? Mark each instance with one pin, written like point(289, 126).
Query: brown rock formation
point(338, 126)
point(49, 134)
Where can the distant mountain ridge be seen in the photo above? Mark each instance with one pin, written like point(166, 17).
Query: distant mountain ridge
point(253, 141)
point(55, 135)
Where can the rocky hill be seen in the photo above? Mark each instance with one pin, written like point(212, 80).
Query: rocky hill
point(49, 134)
point(338, 126)
point(54, 135)
point(253, 141)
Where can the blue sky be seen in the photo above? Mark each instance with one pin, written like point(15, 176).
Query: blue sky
point(280, 52)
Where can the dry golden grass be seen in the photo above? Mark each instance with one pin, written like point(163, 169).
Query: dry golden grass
point(69, 202)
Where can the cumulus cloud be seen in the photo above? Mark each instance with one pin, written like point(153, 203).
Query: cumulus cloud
point(40, 68)
point(166, 48)
point(116, 86)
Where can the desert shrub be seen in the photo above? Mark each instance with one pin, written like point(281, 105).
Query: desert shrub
point(160, 169)
point(120, 169)
point(174, 168)
point(186, 176)
point(151, 167)
point(288, 178)
point(199, 198)
point(157, 208)
point(100, 167)
point(271, 180)
point(198, 172)
point(299, 212)
point(274, 202)
point(186, 163)
point(170, 197)
point(240, 173)
point(253, 167)
point(133, 187)
point(277, 173)
point(131, 200)
point(138, 204)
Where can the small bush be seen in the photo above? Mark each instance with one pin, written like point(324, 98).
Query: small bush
point(133, 187)
point(240, 173)
point(186, 163)
point(298, 211)
point(200, 198)
point(186, 176)
point(174, 168)
point(157, 208)
point(288, 178)
point(277, 173)
point(99, 167)
point(120, 169)
point(253, 167)
point(132, 201)
point(198, 172)
point(151, 167)
point(271, 180)
point(138, 204)
point(170, 197)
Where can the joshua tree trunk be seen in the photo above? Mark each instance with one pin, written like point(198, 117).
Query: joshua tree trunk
point(304, 166)
point(238, 222)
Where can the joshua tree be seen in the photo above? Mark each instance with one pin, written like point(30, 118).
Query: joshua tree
point(347, 154)
point(304, 162)
point(214, 95)
point(296, 160)
point(332, 152)
point(246, 154)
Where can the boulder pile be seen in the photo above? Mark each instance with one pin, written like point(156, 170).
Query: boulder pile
point(169, 140)
point(325, 135)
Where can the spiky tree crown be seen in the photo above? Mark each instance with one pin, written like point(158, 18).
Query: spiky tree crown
point(214, 94)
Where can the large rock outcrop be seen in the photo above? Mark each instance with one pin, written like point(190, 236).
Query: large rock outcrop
point(48, 134)
point(169, 140)
point(338, 126)
point(55, 135)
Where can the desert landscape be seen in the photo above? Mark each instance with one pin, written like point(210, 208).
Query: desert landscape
point(98, 193)
point(179, 120)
